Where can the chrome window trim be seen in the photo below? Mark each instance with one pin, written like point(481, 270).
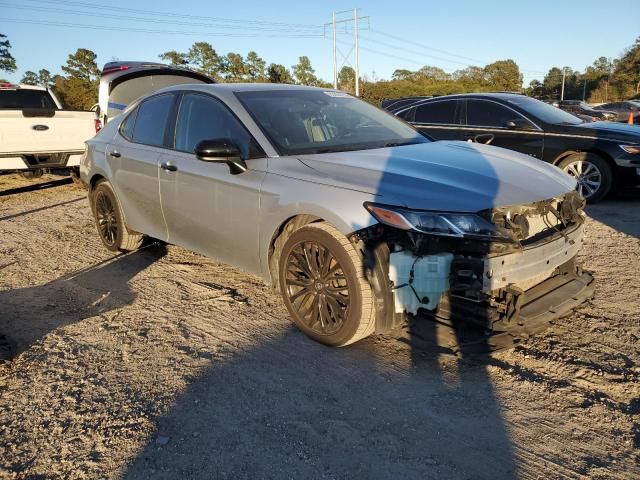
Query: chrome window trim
point(429, 100)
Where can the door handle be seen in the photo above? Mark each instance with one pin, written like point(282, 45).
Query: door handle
point(485, 138)
point(168, 167)
point(114, 154)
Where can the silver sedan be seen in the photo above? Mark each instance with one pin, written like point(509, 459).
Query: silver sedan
point(354, 216)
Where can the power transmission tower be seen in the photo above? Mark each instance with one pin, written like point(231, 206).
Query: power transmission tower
point(342, 26)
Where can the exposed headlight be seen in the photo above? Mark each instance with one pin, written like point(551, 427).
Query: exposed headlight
point(632, 149)
point(446, 224)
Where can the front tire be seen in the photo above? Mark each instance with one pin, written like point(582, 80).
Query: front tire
point(110, 221)
point(322, 282)
point(593, 174)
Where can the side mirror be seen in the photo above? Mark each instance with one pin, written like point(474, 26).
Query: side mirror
point(221, 150)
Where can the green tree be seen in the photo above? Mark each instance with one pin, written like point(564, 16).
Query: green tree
point(174, 57)
point(402, 74)
point(45, 79)
point(79, 89)
point(7, 62)
point(30, 78)
point(304, 73)
point(627, 71)
point(277, 73)
point(234, 68)
point(82, 65)
point(347, 79)
point(203, 58)
point(503, 75)
point(255, 67)
point(433, 73)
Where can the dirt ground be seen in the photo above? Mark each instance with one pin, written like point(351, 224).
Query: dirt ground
point(164, 364)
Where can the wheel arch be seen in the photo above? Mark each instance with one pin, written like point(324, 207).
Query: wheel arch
point(600, 153)
point(279, 238)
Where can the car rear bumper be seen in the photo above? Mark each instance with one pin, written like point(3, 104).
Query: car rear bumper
point(34, 161)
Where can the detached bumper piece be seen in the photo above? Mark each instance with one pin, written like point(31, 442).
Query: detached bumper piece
point(516, 314)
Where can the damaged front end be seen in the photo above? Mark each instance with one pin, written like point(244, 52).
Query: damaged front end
point(508, 269)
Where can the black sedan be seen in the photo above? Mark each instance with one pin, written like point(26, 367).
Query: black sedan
point(623, 109)
point(601, 155)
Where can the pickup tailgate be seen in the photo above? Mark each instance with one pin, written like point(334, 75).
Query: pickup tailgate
point(48, 131)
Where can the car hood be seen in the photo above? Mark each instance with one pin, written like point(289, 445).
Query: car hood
point(611, 130)
point(449, 176)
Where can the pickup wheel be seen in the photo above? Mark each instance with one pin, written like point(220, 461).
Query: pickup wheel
point(322, 282)
point(109, 220)
point(31, 174)
point(74, 173)
point(593, 174)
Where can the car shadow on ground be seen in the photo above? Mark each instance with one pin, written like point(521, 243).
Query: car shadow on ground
point(36, 186)
point(291, 408)
point(620, 213)
point(28, 314)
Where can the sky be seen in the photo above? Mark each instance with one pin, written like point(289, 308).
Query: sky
point(407, 34)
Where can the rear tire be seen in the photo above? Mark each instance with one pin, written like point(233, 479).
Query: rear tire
point(594, 175)
point(110, 222)
point(323, 286)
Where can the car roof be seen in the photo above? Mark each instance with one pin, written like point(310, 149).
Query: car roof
point(246, 87)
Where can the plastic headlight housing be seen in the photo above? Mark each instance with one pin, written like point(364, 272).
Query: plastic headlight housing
point(446, 224)
point(632, 149)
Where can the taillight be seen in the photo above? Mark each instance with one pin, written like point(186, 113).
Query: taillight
point(98, 124)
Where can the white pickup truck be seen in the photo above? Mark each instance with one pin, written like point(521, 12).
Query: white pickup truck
point(36, 134)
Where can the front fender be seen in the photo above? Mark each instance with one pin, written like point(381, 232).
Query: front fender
point(279, 203)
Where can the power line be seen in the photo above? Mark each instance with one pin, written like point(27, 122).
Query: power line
point(144, 30)
point(175, 15)
point(155, 20)
point(445, 52)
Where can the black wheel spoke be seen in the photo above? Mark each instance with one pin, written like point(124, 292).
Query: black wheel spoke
point(317, 287)
point(106, 218)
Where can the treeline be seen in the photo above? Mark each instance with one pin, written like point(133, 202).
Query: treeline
point(604, 80)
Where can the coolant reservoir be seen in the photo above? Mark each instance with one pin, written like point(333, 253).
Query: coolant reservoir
point(430, 280)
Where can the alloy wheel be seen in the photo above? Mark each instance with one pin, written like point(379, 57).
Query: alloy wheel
point(317, 287)
point(588, 176)
point(106, 216)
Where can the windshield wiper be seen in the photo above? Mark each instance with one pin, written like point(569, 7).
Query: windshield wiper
point(398, 144)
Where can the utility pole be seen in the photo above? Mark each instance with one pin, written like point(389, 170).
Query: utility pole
point(564, 74)
point(335, 55)
point(355, 33)
point(584, 90)
point(340, 20)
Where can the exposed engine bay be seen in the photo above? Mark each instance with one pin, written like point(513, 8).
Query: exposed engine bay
point(520, 281)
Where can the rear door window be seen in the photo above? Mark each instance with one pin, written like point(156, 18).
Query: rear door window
point(482, 113)
point(439, 112)
point(151, 120)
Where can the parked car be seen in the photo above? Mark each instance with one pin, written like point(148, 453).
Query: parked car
point(623, 109)
point(354, 216)
point(580, 108)
point(391, 104)
point(37, 134)
point(601, 155)
point(122, 82)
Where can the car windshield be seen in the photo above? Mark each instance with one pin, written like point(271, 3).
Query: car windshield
point(544, 111)
point(315, 121)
